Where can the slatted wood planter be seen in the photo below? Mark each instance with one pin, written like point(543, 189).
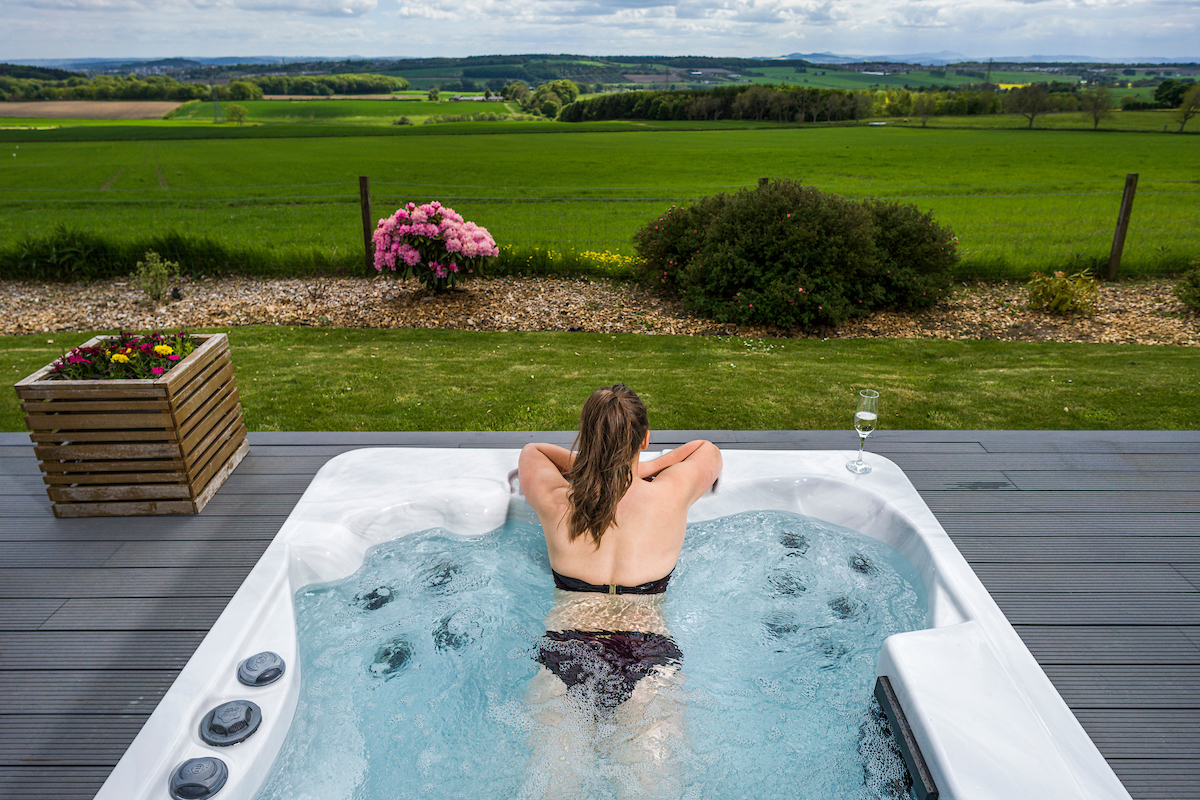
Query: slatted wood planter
point(152, 446)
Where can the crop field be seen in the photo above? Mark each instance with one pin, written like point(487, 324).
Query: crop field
point(1018, 200)
point(371, 112)
point(90, 109)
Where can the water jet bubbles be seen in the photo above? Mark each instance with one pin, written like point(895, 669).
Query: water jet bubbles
point(794, 541)
point(439, 577)
point(391, 657)
point(784, 582)
point(860, 563)
point(844, 607)
point(455, 631)
point(780, 624)
point(376, 598)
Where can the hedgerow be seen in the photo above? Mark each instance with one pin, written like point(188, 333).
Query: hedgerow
point(789, 255)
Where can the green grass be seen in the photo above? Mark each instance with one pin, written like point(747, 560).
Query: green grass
point(333, 379)
point(1120, 121)
point(1018, 200)
point(373, 112)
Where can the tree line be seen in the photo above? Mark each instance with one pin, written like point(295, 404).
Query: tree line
point(101, 87)
point(803, 104)
point(324, 85)
point(162, 87)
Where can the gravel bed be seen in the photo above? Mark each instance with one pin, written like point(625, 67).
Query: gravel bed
point(1135, 312)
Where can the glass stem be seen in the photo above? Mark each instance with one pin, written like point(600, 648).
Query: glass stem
point(862, 440)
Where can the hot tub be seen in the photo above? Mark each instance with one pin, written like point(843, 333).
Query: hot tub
point(986, 718)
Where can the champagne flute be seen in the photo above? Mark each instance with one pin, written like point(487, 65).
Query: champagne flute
point(865, 419)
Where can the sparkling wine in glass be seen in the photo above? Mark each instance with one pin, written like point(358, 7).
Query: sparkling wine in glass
point(865, 420)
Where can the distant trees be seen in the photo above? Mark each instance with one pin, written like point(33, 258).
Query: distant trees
point(1170, 92)
point(161, 87)
point(236, 113)
point(101, 87)
point(242, 90)
point(326, 85)
point(924, 107)
point(432, 95)
point(1097, 104)
point(1189, 106)
point(1030, 101)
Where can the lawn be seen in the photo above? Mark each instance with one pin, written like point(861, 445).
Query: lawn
point(335, 379)
point(1018, 200)
point(352, 112)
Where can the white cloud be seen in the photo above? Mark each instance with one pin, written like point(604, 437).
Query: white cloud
point(155, 28)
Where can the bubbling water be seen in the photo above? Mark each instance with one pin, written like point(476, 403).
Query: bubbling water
point(419, 676)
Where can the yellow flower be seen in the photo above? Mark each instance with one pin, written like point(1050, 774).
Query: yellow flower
point(120, 358)
point(164, 350)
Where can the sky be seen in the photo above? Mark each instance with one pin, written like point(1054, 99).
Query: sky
point(1107, 29)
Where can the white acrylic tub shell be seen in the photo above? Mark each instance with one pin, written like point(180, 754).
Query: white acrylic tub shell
point(988, 720)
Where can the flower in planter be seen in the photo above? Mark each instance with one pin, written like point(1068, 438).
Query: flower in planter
point(126, 355)
point(432, 243)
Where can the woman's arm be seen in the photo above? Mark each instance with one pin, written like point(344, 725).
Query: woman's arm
point(648, 469)
point(695, 469)
point(541, 469)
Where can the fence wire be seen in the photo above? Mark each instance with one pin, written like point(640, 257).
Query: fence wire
point(1000, 226)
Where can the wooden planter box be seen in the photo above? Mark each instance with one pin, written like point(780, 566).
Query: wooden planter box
point(152, 446)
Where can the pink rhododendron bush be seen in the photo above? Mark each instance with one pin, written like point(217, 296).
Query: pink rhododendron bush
point(432, 243)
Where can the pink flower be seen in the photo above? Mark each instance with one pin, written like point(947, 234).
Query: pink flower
point(157, 371)
point(172, 357)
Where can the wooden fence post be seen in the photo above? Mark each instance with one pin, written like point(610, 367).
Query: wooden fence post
point(1114, 258)
point(364, 200)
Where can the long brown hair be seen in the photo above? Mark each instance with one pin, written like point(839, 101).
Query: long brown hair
point(612, 426)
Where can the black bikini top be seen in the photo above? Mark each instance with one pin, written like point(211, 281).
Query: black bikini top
point(575, 585)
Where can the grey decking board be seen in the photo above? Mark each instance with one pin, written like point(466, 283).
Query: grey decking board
point(21, 485)
point(1158, 778)
point(1083, 524)
point(1142, 733)
point(1095, 608)
point(1082, 577)
point(199, 554)
point(22, 613)
point(1109, 502)
point(1108, 480)
point(263, 484)
point(1066, 549)
point(1017, 548)
point(83, 691)
point(248, 505)
point(100, 739)
point(1110, 644)
point(1141, 686)
point(85, 650)
point(51, 783)
point(203, 526)
point(136, 614)
point(21, 584)
point(960, 480)
point(56, 554)
point(1189, 572)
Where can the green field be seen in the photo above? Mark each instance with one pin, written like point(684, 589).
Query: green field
point(350, 112)
point(462, 380)
point(1018, 200)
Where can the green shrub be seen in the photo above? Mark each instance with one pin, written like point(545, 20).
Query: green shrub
point(69, 254)
point(1188, 288)
point(788, 255)
point(1078, 293)
point(154, 276)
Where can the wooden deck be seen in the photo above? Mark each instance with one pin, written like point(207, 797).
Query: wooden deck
point(1090, 542)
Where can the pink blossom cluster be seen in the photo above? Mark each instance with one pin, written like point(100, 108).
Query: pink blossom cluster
point(431, 236)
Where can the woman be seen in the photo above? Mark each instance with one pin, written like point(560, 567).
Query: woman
point(614, 527)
